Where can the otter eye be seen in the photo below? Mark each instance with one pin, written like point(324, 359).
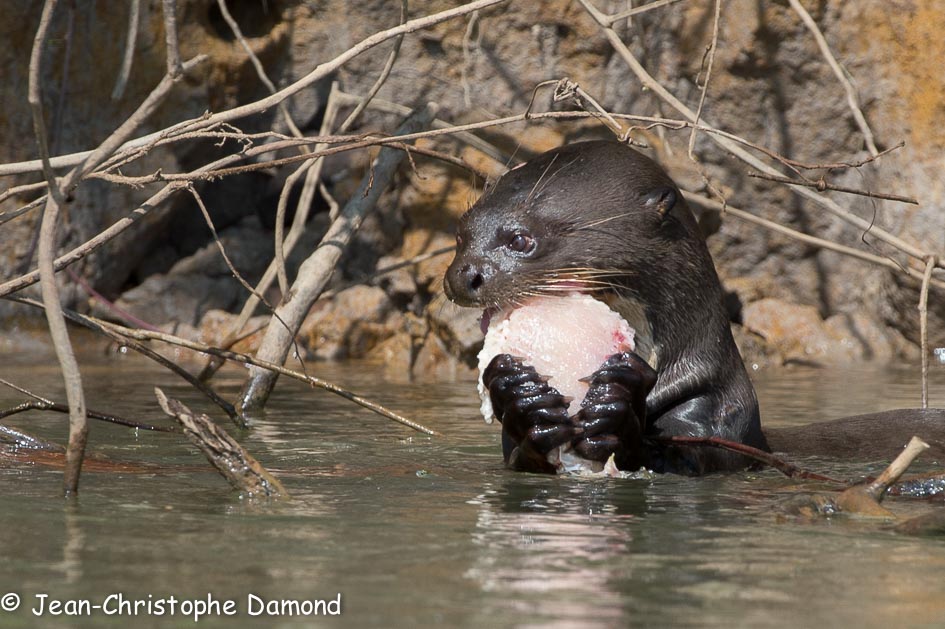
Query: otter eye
point(521, 243)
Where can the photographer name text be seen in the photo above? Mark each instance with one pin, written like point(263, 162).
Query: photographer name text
point(118, 604)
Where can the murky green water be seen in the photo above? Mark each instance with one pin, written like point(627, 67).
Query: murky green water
point(418, 531)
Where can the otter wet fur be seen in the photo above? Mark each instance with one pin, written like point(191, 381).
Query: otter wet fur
point(601, 218)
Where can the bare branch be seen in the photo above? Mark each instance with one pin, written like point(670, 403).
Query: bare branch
point(318, 267)
point(611, 19)
point(323, 70)
point(96, 326)
point(312, 169)
point(257, 65)
point(231, 459)
point(839, 73)
point(144, 335)
point(822, 185)
point(40, 403)
point(78, 427)
point(807, 238)
point(20, 211)
point(924, 327)
point(131, 40)
point(171, 44)
point(28, 187)
point(708, 74)
point(726, 143)
point(382, 78)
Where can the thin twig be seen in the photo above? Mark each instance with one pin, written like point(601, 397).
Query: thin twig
point(333, 207)
point(924, 327)
point(708, 74)
point(382, 78)
point(252, 360)
point(258, 66)
point(788, 469)
point(47, 405)
point(822, 185)
point(831, 206)
point(312, 169)
point(229, 263)
point(807, 238)
point(226, 258)
point(397, 109)
point(27, 187)
point(20, 211)
point(320, 72)
point(566, 89)
point(839, 73)
point(131, 40)
point(611, 19)
point(95, 325)
point(796, 164)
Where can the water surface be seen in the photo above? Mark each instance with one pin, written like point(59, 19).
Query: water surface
point(420, 531)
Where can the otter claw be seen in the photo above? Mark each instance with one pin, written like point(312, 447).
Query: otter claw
point(534, 415)
point(612, 415)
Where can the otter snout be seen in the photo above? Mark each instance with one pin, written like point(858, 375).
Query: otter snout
point(464, 282)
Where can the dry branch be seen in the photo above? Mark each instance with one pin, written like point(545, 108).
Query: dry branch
point(864, 499)
point(318, 267)
point(320, 72)
point(171, 43)
point(96, 326)
point(924, 327)
point(709, 61)
point(839, 73)
point(78, 427)
point(131, 40)
point(257, 65)
point(128, 335)
point(649, 6)
point(822, 243)
point(822, 185)
point(231, 459)
point(733, 147)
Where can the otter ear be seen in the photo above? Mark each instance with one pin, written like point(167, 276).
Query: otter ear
point(663, 199)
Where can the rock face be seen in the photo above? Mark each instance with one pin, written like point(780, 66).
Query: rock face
point(769, 84)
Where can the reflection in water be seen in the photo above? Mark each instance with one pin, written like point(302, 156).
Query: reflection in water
point(72, 546)
point(416, 531)
point(555, 539)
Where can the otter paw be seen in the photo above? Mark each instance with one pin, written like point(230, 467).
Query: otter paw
point(534, 415)
point(613, 413)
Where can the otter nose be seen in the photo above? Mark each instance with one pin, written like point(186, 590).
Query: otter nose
point(471, 277)
point(464, 283)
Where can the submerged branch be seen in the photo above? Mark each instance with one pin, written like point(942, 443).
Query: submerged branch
point(231, 459)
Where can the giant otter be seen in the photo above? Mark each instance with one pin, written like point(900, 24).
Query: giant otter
point(602, 218)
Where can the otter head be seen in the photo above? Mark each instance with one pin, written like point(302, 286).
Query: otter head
point(596, 217)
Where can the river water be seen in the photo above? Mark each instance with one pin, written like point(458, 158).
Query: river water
point(417, 531)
